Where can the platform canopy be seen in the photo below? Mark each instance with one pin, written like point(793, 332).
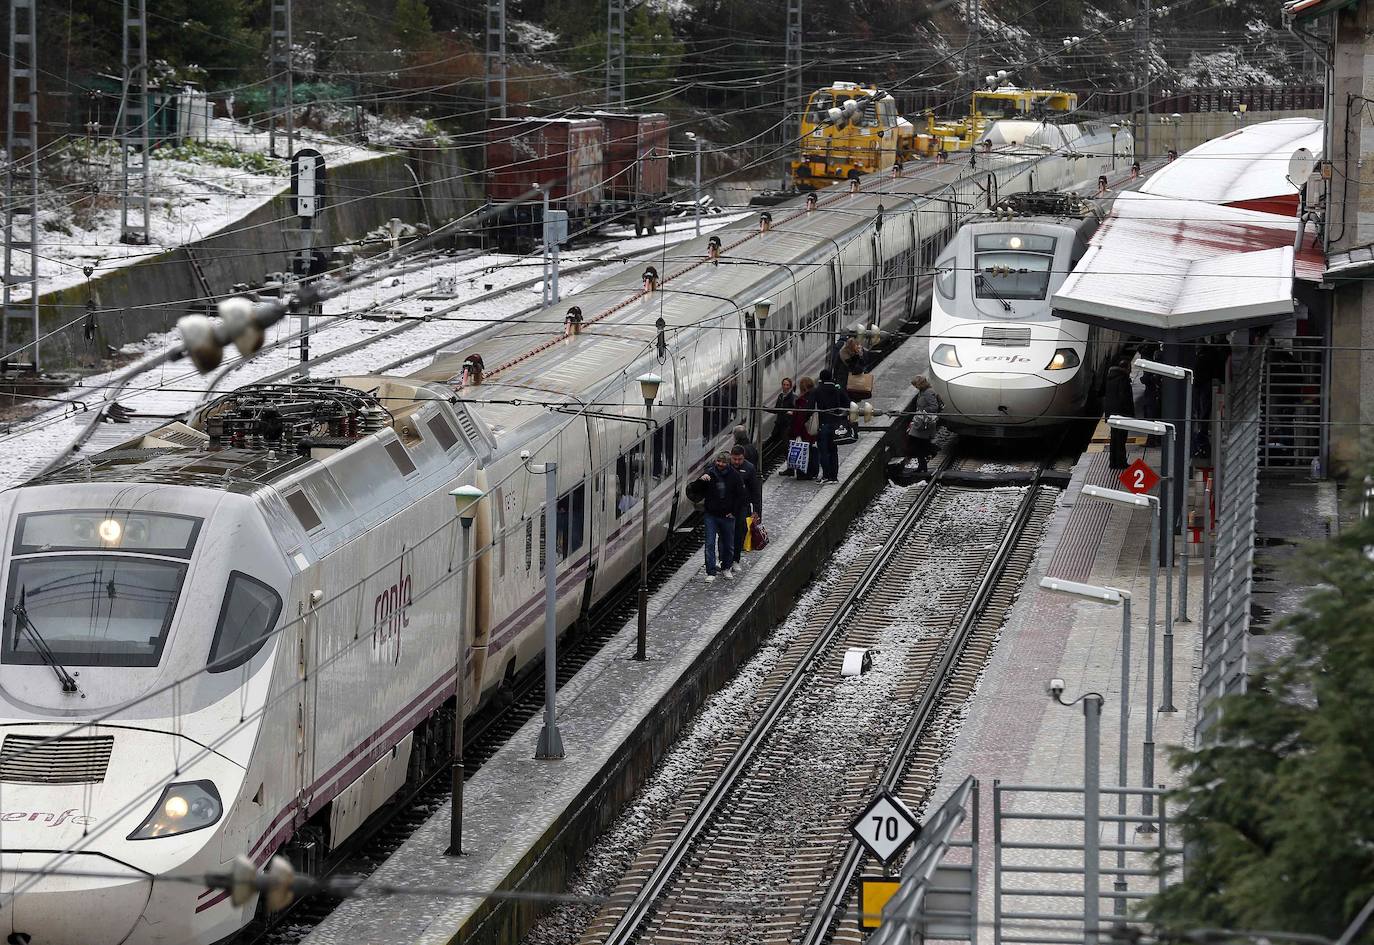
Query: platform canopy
point(1246, 168)
point(1160, 266)
point(1209, 243)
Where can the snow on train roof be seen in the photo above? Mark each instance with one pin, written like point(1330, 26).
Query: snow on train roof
point(1246, 168)
point(1162, 264)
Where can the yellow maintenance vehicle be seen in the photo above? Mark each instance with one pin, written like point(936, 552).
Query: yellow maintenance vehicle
point(1000, 103)
point(848, 131)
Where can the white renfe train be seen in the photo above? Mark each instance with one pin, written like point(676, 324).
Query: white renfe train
point(238, 634)
point(1000, 359)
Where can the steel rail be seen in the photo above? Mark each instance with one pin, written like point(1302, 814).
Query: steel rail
point(668, 865)
point(830, 901)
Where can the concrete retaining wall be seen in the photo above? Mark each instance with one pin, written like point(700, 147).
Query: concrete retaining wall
point(1198, 127)
point(149, 296)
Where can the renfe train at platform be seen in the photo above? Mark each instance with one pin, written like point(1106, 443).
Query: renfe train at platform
point(238, 634)
point(1001, 360)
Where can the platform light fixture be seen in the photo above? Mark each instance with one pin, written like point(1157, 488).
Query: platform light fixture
point(1092, 802)
point(1147, 765)
point(465, 499)
point(1136, 425)
point(1112, 596)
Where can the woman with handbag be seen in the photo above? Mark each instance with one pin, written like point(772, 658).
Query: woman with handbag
point(805, 424)
point(925, 419)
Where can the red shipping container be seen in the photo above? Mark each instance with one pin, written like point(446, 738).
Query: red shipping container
point(564, 153)
point(636, 155)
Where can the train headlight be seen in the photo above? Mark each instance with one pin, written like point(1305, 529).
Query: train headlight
point(182, 808)
point(946, 355)
point(1063, 359)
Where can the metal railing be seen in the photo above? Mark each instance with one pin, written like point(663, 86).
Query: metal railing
point(937, 900)
point(1226, 612)
point(1040, 887)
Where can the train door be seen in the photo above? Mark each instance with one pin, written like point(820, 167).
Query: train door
point(872, 310)
point(307, 627)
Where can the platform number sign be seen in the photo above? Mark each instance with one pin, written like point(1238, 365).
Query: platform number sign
point(885, 827)
point(1139, 477)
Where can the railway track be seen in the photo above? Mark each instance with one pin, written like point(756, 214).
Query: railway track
point(756, 848)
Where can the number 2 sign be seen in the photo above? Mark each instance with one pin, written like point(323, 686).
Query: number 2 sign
point(1139, 477)
point(885, 827)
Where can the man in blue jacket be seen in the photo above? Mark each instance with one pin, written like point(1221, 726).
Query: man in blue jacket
point(724, 495)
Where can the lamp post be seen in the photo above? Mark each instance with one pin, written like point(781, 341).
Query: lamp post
point(696, 207)
point(1147, 756)
point(1115, 129)
point(550, 745)
point(1112, 595)
point(465, 499)
point(761, 309)
point(1186, 375)
point(1166, 430)
point(1092, 802)
point(648, 387)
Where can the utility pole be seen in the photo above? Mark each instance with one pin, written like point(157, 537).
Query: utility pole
point(281, 66)
point(496, 59)
point(615, 52)
point(21, 148)
point(971, 47)
point(1142, 79)
point(133, 127)
point(792, 99)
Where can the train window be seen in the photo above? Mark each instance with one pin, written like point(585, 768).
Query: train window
point(90, 609)
point(628, 469)
point(442, 432)
point(1013, 266)
point(718, 411)
point(398, 455)
point(145, 532)
point(249, 613)
point(945, 276)
point(664, 444)
point(305, 512)
point(572, 508)
point(529, 544)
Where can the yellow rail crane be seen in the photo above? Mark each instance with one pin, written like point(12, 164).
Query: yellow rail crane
point(1001, 102)
point(848, 131)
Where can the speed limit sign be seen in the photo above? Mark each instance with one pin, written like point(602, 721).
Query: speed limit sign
point(885, 827)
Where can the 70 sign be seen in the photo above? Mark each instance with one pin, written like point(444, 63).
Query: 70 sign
point(1139, 477)
point(885, 827)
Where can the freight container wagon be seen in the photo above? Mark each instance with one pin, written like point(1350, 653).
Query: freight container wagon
point(636, 168)
point(564, 155)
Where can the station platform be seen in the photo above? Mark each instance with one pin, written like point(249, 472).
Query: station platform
point(528, 822)
point(1015, 734)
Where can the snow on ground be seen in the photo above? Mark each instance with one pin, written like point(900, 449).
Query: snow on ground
point(198, 188)
point(532, 36)
point(175, 387)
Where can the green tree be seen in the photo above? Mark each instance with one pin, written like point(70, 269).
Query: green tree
point(1277, 815)
point(412, 25)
